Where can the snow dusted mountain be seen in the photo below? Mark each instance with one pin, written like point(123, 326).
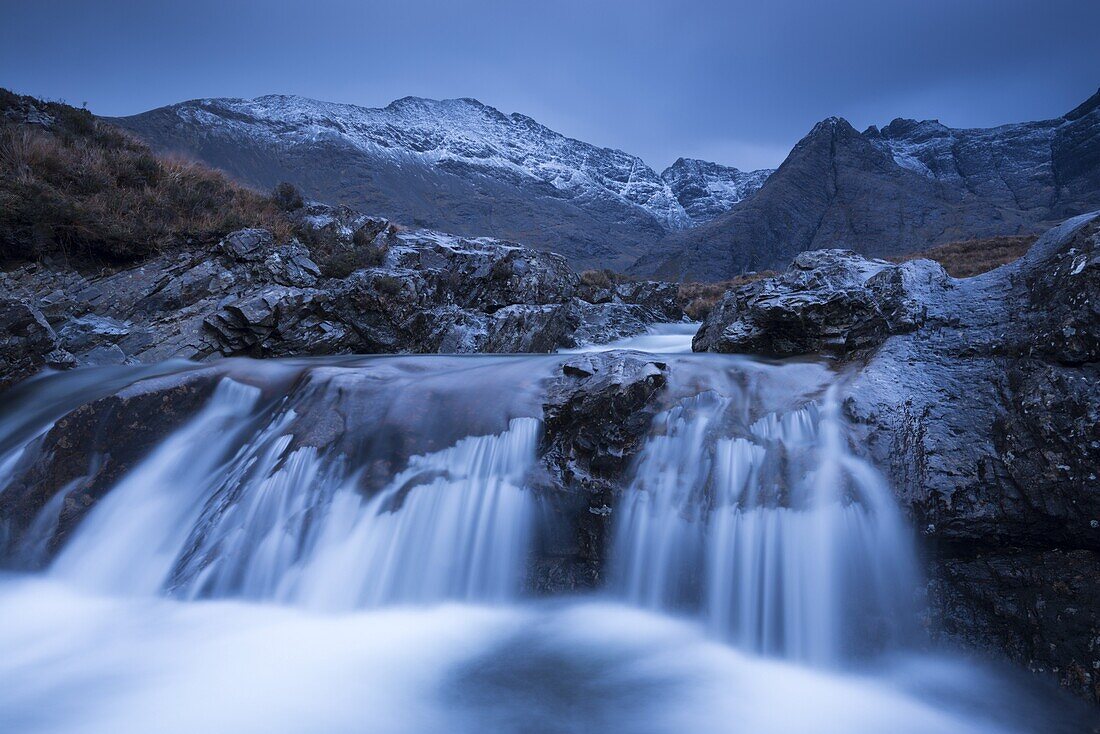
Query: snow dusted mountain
point(455, 165)
point(707, 190)
point(906, 187)
point(464, 167)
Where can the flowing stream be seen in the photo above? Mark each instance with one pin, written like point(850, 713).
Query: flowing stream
point(345, 545)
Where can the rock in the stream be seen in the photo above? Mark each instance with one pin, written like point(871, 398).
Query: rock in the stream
point(988, 421)
point(980, 397)
point(86, 451)
point(1037, 607)
point(654, 295)
point(597, 414)
point(606, 322)
point(831, 302)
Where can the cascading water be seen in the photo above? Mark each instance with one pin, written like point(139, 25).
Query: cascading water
point(230, 505)
point(342, 546)
point(454, 524)
point(785, 542)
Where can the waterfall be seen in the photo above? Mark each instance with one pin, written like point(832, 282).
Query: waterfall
point(781, 539)
point(233, 504)
point(342, 545)
point(131, 539)
point(453, 525)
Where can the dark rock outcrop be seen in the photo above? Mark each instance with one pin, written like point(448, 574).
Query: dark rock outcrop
point(27, 342)
point(1034, 606)
point(253, 296)
point(597, 414)
point(87, 450)
point(831, 302)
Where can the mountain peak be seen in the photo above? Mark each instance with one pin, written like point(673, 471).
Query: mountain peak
point(707, 190)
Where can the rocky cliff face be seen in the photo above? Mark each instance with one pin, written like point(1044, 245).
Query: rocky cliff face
point(455, 165)
point(253, 296)
point(984, 405)
point(707, 190)
point(906, 187)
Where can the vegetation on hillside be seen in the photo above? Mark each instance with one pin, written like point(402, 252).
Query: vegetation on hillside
point(972, 257)
point(698, 299)
point(77, 190)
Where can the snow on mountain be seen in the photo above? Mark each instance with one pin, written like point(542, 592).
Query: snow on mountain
point(1010, 163)
point(445, 132)
point(706, 190)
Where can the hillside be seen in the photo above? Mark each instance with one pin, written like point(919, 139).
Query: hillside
point(79, 191)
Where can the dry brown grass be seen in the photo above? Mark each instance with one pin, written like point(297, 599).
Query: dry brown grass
point(84, 192)
point(973, 257)
point(698, 299)
point(603, 278)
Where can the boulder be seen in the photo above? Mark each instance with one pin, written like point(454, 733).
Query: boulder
point(658, 297)
point(597, 414)
point(831, 302)
point(600, 323)
point(87, 450)
point(988, 420)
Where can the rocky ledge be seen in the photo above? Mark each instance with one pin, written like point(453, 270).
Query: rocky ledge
point(981, 397)
point(831, 302)
point(426, 292)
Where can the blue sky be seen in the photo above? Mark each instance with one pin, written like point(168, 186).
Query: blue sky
point(735, 82)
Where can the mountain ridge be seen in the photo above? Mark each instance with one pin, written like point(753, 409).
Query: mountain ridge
point(707, 190)
point(457, 164)
point(908, 186)
point(462, 166)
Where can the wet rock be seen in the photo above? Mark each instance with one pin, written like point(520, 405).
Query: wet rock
point(85, 452)
point(597, 414)
point(85, 332)
point(981, 399)
point(1037, 607)
point(253, 296)
point(599, 323)
point(27, 343)
point(1065, 281)
point(987, 420)
point(279, 321)
point(656, 296)
point(831, 302)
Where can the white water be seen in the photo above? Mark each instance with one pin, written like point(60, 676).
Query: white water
point(78, 664)
point(264, 570)
point(671, 338)
point(291, 524)
point(785, 542)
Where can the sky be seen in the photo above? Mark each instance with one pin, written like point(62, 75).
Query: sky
point(734, 82)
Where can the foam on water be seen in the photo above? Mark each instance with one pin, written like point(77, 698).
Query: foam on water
point(83, 664)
